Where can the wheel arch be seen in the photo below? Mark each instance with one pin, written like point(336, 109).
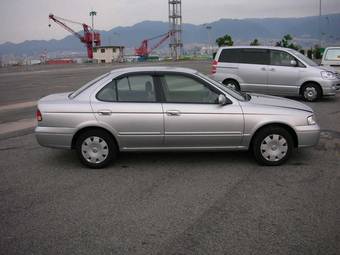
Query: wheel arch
point(276, 124)
point(84, 129)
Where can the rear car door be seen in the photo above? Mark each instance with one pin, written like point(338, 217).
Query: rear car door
point(194, 119)
point(283, 77)
point(129, 104)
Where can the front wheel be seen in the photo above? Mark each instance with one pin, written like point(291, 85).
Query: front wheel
point(272, 146)
point(96, 148)
point(310, 92)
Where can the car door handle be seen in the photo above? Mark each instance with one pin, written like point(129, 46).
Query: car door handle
point(104, 112)
point(173, 112)
point(272, 69)
point(263, 69)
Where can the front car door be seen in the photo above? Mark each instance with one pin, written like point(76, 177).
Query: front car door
point(130, 106)
point(194, 119)
point(283, 77)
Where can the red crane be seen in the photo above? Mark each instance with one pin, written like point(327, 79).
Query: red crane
point(144, 50)
point(86, 38)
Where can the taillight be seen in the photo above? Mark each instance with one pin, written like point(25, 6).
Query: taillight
point(38, 115)
point(214, 66)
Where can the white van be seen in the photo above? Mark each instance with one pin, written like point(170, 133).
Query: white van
point(331, 57)
point(275, 71)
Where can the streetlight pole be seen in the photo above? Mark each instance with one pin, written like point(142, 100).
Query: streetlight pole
point(92, 14)
point(320, 32)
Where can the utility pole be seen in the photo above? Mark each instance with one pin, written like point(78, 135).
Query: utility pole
point(92, 14)
point(209, 38)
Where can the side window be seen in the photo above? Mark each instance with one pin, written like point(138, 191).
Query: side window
point(139, 88)
point(108, 93)
point(245, 56)
point(230, 56)
point(255, 56)
point(281, 58)
point(182, 89)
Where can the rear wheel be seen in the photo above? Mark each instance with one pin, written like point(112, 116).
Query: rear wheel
point(272, 146)
point(311, 92)
point(96, 148)
point(232, 84)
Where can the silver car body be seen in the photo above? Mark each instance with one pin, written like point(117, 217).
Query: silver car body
point(170, 126)
point(271, 78)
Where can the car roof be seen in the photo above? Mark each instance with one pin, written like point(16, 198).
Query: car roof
point(153, 69)
point(255, 47)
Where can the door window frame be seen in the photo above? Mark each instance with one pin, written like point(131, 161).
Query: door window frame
point(298, 62)
point(127, 75)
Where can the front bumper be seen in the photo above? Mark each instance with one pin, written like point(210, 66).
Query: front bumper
point(54, 137)
point(308, 135)
point(330, 87)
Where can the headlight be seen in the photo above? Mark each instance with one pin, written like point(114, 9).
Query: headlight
point(311, 120)
point(328, 75)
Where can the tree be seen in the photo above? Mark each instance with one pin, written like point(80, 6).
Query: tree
point(317, 52)
point(224, 41)
point(255, 42)
point(286, 42)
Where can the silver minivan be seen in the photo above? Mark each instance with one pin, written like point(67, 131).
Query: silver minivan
point(275, 71)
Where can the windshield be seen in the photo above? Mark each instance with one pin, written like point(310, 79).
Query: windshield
point(236, 94)
point(87, 85)
point(307, 60)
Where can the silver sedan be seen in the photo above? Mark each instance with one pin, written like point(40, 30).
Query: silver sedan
point(163, 108)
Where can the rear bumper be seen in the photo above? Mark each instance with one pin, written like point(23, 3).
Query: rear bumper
point(308, 135)
point(54, 137)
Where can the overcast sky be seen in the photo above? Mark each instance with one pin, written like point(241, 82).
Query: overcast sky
point(28, 19)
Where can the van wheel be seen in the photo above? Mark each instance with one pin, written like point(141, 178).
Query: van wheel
point(232, 84)
point(272, 146)
point(310, 92)
point(96, 148)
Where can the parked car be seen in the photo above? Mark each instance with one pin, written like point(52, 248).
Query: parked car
point(331, 57)
point(164, 108)
point(274, 71)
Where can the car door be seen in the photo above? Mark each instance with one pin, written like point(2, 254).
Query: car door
point(253, 69)
point(194, 119)
point(130, 106)
point(283, 77)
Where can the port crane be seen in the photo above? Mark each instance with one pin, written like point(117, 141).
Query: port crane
point(88, 38)
point(144, 50)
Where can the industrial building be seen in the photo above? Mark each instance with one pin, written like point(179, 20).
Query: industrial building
point(108, 54)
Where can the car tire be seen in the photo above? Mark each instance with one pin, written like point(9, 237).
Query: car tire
point(232, 84)
point(96, 148)
point(310, 92)
point(272, 146)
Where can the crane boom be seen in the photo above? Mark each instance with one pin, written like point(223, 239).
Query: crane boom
point(144, 50)
point(87, 38)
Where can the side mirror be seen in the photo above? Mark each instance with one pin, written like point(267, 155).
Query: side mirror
point(222, 100)
point(293, 62)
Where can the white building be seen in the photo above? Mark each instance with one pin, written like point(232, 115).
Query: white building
point(108, 54)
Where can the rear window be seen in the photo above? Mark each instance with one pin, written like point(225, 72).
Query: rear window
point(245, 56)
point(333, 55)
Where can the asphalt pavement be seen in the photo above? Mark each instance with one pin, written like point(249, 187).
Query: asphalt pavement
point(160, 203)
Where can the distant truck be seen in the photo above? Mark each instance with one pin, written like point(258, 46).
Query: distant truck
point(331, 57)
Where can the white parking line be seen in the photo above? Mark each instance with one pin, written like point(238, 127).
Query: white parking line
point(18, 106)
point(10, 127)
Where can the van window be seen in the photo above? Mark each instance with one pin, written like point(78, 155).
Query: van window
point(280, 58)
point(333, 55)
point(245, 56)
